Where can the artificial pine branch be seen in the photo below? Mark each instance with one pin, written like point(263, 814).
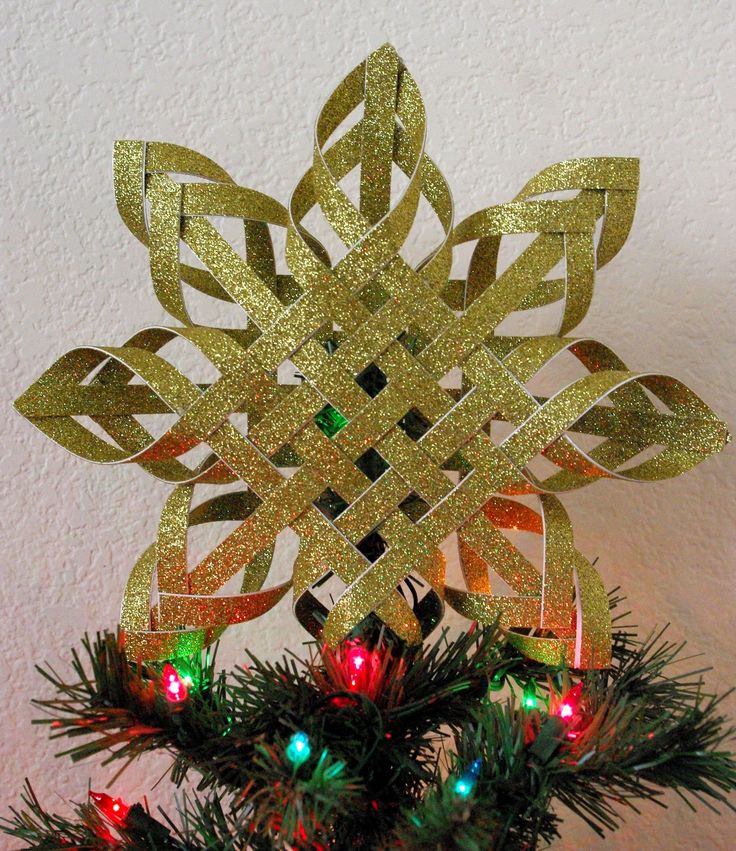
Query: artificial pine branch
point(297, 804)
point(644, 731)
point(121, 708)
point(222, 728)
point(87, 830)
point(372, 776)
point(507, 808)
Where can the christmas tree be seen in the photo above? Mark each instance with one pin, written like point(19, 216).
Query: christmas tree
point(406, 421)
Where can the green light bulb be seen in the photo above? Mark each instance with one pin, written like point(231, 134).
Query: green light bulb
point(530, 697)
point(497, 682)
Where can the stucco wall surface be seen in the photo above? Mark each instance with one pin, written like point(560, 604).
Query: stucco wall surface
point(509, 89)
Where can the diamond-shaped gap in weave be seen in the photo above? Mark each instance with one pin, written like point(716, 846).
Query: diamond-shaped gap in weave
point(408, 489)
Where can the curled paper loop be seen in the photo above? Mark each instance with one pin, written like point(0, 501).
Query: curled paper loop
point(388, 442)
point(157, 633)
point(541, 603)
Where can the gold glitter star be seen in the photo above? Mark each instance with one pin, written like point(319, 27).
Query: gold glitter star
point(374, 458)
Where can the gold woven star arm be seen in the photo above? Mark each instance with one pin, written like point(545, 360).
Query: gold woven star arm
point(180, 212)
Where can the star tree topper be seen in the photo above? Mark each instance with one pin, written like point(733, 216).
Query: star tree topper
point(375, 428)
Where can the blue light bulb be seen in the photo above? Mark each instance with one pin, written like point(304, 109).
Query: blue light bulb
point(465, 784)
point(298, 749)
point(463, 788)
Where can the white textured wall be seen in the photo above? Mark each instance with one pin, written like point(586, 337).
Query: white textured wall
point(510, 87)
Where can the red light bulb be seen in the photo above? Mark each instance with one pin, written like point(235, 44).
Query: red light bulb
point(357, 657)
point(358, 667)
point(569, 705)
point(174, 686)
point(115, 809)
